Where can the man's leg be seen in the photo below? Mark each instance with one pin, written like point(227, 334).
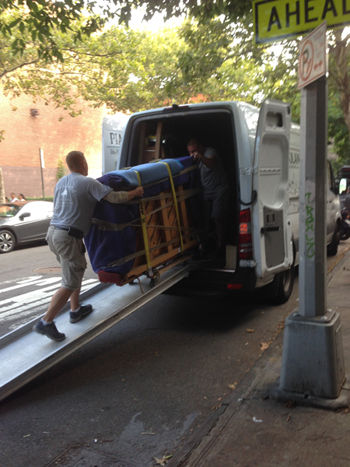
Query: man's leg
point(220, 225)
point(219, 213)
point(59, 299)
point(74, 300)
point(78, 311)
point(46, 325)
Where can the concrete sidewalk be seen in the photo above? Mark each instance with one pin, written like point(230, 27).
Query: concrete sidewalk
point(250, 429)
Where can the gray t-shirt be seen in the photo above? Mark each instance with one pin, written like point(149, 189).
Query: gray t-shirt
point(212, 178)
point(75, 199)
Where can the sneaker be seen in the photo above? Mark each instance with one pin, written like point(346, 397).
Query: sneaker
point(49, 330)
point(84, 310)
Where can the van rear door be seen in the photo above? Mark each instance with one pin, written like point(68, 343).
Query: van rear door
point(272, 245)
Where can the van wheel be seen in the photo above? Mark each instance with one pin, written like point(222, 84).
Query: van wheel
point(280, 289)
point(332, 248)
point(285, 285)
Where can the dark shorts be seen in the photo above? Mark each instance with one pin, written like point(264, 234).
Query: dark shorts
point(70, 252)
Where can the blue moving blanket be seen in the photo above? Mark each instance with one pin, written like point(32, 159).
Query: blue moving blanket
point(107, 246)
point(149, 173)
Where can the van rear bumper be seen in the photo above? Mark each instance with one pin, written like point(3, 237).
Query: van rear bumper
point(212, 283)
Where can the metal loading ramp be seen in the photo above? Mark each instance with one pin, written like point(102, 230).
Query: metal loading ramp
point(25, 354)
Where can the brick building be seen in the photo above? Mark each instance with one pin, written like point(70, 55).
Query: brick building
point(30, 126)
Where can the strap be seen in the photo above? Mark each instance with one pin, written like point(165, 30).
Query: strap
point(110, 226)
point(144, 228)
point(175, 201)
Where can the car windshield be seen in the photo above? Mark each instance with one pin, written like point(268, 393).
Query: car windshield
point(8, 210)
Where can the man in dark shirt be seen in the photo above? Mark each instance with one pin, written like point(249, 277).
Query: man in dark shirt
point(215, 186)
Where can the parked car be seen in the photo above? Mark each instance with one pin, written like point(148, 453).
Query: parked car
point(22, 222)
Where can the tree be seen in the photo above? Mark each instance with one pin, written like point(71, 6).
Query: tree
point(40, 19)
point(339, 51)
point(47, 50)
point(221, 61)
point(121, 68)
point(61, 170)
point(216, 55)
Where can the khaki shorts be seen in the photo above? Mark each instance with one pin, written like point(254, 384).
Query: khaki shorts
point(70, 252)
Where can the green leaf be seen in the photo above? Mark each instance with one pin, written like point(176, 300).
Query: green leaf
point(34, 7)
point(14, 23)
point(59, 56)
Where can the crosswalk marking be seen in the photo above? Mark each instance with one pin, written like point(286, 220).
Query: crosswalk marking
point(25, 283)
point(27, 303)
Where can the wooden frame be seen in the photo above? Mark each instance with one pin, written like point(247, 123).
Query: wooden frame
point(163, 233)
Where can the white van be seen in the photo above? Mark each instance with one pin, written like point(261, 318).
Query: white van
point(260, 152)
point(333, 216)
point(112, 134)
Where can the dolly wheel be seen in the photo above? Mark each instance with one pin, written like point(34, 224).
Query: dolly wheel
point(155, 279)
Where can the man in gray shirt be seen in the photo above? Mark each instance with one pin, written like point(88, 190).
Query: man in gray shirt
point(75, 199)
point(215, 186)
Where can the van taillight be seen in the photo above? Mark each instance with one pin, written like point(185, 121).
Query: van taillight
point(245, 245)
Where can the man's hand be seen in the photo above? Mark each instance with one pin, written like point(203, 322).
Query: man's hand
point(197, 156)
point(137, 193)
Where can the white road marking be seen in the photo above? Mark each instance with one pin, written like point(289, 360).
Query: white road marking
point(26, 283)
point(27, 303)
point(30, 278)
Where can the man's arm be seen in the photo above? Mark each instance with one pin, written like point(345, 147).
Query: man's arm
point(117, 197)
point(210, 161)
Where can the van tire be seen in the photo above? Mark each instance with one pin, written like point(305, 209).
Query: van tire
point(285, 285)
point(280, 289)
point(332, 248)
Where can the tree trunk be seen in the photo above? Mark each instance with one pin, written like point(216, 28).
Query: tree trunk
point(341, 75)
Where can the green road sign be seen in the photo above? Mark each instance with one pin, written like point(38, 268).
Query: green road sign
point(280, 19)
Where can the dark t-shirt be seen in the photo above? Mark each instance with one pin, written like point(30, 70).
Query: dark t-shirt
point(212, 178)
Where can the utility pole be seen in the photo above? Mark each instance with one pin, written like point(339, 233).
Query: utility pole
point(313, 370)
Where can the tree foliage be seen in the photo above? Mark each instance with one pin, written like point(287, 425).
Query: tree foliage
point(222, 62)
point(40, 19)
point(212, 58)
point(119, 67)
point(60, 169)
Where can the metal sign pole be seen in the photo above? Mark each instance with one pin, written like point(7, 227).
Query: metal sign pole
point(312, 208)
point(312, 370)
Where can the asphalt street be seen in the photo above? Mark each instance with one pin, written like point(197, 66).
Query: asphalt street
point(135, 394)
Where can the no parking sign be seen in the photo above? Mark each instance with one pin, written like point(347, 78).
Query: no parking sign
point(312, 56)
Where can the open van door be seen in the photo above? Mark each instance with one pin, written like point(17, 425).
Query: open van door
point(272, 242)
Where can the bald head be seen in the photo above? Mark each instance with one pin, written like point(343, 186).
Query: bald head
point(194, 146)
point(193, 142)
point(76, 162)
